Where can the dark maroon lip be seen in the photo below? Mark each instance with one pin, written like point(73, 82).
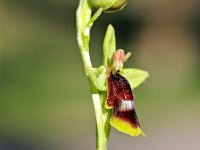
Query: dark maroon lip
point(118, 87)
point(120, 97)
point(129, 116)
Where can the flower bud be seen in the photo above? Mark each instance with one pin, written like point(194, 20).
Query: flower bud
point(109, 6)
point(117, 6)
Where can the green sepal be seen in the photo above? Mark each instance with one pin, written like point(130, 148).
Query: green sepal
point(135, 77)
point(109, 46)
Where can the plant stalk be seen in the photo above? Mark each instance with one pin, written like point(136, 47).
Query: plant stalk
point(84, 24)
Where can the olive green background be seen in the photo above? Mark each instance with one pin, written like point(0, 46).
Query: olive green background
point(45, 101)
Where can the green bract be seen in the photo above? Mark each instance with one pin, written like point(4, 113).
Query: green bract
point(109, 5)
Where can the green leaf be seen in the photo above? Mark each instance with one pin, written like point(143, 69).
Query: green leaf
point(134, 76)
point(109, 46)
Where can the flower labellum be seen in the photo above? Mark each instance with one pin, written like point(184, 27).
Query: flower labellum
point(120, 98)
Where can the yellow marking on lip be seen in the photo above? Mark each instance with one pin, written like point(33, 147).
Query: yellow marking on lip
point(125, 126)
point(108, 106)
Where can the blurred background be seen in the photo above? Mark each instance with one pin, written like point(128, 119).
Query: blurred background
point(45, 101)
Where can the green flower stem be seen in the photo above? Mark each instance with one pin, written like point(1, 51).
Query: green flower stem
point(102, 123)
point(84, 24)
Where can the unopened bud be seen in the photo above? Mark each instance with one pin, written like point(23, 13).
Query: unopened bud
point(109, 6)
